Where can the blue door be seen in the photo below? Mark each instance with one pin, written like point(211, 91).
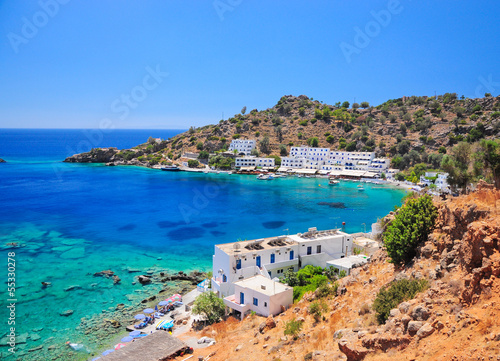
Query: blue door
point(291, 255)
point(309, 250)
point(272, 258)
point(258, 261)
point(238, 264)
point(242, 298)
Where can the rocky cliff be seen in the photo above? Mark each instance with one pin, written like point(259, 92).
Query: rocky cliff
point(456, 318)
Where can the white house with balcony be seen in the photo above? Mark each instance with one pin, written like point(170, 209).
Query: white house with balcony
point(250, 161)
point(242, 146)
point(439, 179)
point(260, 295)
point(271, 257)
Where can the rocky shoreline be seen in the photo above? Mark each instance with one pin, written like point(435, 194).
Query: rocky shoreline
point(99, 331)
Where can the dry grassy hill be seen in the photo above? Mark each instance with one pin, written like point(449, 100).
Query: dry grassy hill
point(414, 128)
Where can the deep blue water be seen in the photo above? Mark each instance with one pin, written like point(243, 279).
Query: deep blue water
point(76, 219)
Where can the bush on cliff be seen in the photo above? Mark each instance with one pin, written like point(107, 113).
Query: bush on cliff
point(409, 228)
point(391, 296)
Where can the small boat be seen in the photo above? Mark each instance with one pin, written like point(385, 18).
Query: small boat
point(265, 177)
point(360, 188)
point(172, 168)
point(333, 182)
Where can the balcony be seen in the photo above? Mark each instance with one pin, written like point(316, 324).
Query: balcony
point(232, 302)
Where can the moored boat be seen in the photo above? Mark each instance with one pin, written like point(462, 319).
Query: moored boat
point(172, 168)
point(333, 182)
point(360, 188)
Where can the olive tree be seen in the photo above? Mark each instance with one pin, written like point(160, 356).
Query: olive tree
point(210, 306)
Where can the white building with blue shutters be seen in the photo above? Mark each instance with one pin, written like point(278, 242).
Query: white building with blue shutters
point(242, 146)
point(260, 295)
point(271, 257)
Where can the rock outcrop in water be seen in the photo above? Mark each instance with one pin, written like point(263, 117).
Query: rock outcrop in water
point(2, 161)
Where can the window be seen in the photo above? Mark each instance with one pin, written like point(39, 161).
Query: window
point(238, 264)
point(265, 304)
point(309, 251)
point(318, 249)
point(272, 257)
point(291, 255)
point(255, 302)
point(224, 278)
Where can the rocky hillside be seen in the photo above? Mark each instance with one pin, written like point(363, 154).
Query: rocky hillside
point(398, 126)
point(455, 318)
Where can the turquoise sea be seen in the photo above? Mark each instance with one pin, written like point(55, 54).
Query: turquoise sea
point(72, 220)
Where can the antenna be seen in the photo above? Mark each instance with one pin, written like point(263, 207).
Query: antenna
point(287, 231)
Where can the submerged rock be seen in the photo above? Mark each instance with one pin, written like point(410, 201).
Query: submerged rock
point(67, 313)
point(338, 205)
point(78, 252)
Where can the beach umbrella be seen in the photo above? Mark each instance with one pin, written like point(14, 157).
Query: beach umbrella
point(127, 339)
point(140, 316)
point(119, 345)
point(162, 303)
point(107, 352)
point(135, 333)
point(149, 310)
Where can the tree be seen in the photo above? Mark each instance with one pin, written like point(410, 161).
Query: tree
point(203, 155)
point(264, 144)
point(355, 106)
point(313, 142)
point(283, 150)
point(243, 110)
point(365, 105)
point(279, 133)
point(151, 140)
point(254, 152)
point(458, 166)
point(192, 163)
point(210, 306)
point(345, 105)
point(413, 222)
point(199, 146)
point(491, 155)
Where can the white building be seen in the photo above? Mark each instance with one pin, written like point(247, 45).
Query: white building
point(333, 160)
point(243, 146)
point(261, 295)
point(379, 165)
point(348, 263)
point(441, 180)
point(250, 161)
point(271, 257)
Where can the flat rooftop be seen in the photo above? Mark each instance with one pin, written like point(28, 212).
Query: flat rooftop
point(349, 262)
point(263, 285)
point(313, 234)
point(155, 347)
point(244, 247)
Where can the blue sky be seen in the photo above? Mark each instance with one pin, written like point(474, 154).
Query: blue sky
point(173, 64)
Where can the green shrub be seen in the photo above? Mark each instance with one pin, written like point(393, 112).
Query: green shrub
point(199, 146)
point(193, 163)
point(236, 136)
point(410, 227)
point(303, 122)
point(317, 308)
point(313, 142)
point(293, 328)
point(302, 111)
point(397, 292)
